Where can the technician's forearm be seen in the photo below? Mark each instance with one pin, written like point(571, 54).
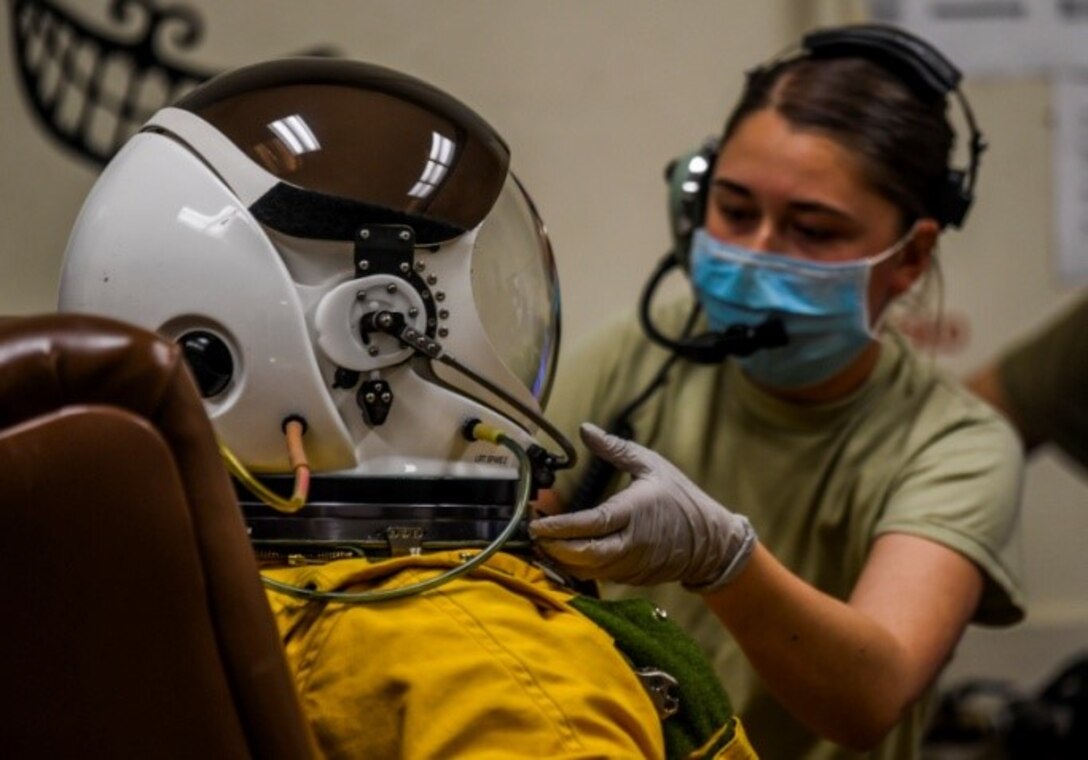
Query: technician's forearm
point(833, 668)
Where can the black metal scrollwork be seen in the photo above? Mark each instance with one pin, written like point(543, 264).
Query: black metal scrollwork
point(91, 89)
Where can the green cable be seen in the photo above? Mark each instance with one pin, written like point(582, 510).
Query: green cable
point(525, 479)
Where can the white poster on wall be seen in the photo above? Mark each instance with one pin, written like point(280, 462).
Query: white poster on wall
point(1069, 153)
point(997, 37)
point(1017, 38)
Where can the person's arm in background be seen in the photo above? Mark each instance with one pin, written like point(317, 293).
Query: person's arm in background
point(1041, 384)
point(986, 383)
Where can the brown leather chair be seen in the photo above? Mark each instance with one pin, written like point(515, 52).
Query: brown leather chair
point(135, 624)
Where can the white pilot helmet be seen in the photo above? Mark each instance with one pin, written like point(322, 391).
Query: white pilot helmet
point(341, 243)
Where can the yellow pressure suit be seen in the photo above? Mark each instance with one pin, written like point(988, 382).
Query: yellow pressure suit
point(494, 664)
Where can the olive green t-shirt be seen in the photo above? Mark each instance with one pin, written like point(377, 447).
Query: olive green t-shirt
point(910, 451)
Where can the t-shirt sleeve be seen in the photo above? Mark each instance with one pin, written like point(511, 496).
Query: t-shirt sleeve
point(1045, 379)
point(962, 490)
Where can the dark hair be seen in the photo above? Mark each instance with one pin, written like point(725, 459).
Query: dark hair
point(903, 141)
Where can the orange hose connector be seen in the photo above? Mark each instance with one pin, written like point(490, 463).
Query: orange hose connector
point(294, 428)
point(296, 456)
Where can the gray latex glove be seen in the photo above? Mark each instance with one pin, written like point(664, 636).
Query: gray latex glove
point(660, 528)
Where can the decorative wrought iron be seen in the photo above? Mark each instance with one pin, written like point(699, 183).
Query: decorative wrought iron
point(91, 89)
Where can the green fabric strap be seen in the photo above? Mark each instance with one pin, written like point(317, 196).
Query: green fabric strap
point(650, 640)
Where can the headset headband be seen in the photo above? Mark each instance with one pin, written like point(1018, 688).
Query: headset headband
point(914, 60)
point(920, 66)
point(923, 68)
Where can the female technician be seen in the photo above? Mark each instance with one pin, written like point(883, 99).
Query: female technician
point(837, 503)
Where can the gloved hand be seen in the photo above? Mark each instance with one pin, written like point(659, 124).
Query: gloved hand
point(660, 528)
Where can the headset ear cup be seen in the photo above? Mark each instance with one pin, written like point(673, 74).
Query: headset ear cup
point(689, 177)
point(955, 199)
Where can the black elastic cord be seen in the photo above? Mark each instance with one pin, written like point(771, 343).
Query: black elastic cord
point(599, 472)
point(713, 346)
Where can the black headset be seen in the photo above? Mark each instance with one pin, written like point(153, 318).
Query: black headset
point(929, 74)
point(921, 67)
point(914, 61)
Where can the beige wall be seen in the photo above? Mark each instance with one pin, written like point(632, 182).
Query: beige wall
point(595, 96)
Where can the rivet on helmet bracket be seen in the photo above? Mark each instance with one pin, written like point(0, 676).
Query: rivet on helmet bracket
point(375, 399)
point(384, 249)
point(389, 249)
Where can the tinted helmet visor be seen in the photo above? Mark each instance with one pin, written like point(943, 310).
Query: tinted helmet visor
point(353, 141)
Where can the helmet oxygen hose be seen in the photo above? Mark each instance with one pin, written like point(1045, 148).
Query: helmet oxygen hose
point(294, 428)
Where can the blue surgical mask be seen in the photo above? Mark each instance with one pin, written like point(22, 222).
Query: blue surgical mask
point(823, 306)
